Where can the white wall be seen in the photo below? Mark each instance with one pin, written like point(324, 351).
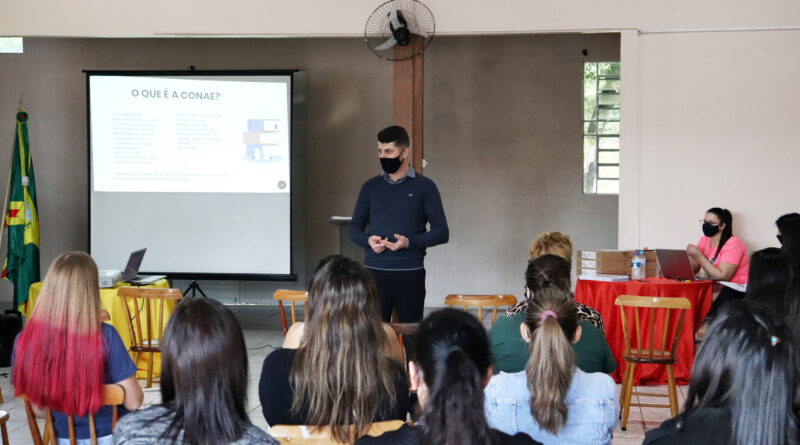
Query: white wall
point(99, 18)
point(718, 126)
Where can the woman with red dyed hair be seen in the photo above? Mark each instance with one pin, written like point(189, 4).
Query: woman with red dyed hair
point(65, 353)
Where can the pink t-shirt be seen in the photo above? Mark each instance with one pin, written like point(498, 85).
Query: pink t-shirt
point(732, 252)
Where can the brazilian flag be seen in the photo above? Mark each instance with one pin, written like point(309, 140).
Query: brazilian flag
point(22, 219)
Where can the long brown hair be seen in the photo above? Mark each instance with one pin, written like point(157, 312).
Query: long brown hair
point(58, 359)
point(552, 319)
point(340, 373)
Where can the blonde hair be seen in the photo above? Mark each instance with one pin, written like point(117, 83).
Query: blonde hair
point(552, 318)
point(341, 372)
point(555, 243)
point(70, 296)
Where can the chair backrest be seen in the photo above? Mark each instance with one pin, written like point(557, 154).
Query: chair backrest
point(291, 296)
point(113, 395)
point(481, 301)
point(656, 347)
point(307, 435)
point(403, 329)
point(147, 298)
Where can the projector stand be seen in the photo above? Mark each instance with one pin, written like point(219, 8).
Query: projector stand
point(194, 287)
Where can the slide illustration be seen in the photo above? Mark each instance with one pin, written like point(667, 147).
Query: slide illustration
point(262, 136)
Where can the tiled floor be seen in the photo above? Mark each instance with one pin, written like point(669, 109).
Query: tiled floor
point(262, 332)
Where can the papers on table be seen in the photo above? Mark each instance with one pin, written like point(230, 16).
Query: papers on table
point(604, 277)
point(734, 286)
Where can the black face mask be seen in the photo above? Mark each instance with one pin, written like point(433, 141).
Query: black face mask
point(391, 165)
point(709, 230)
point(780, 239)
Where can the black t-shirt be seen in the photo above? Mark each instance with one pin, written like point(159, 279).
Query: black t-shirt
point(407, 435)
point(706, 426)
point(275, 392)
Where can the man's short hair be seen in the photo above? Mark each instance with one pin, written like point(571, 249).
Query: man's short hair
point(555, 243)
point(396, 134)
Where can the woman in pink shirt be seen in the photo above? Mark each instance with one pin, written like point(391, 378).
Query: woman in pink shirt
point(721, 255)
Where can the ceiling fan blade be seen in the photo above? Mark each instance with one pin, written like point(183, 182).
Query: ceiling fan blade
point(386, 45)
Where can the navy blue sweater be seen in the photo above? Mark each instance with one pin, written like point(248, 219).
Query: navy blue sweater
point(404, 208)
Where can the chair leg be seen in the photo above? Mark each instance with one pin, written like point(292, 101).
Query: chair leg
point(622, 387)
point(283, 318)
point(4, 431)
point(626, 407)
point(150, 370)
point(673, 392)
point(1, 400)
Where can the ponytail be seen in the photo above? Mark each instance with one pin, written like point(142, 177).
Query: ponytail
point(552, 319)
point(453, 355)
point(456, 393)
point(724, 216)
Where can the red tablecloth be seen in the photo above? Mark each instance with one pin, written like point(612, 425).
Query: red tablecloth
point(601, 295)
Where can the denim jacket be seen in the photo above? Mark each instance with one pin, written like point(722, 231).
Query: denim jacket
point(592, 408)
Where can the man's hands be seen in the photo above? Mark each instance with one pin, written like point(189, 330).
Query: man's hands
point(379, 244)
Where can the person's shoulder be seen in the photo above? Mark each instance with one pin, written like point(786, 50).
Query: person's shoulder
point(405, 435)
point(371, 182)
point(704, 426)
point(734, 242)
point(108, 331)
point(146, 422)
point(280, 355)
point(255, 435)
point(595, 384)
point(424, 180)
point(506, 323)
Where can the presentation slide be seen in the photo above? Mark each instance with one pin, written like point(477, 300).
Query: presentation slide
point(194, 168)
point(159, 134)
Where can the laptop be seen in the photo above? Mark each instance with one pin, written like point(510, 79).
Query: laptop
point(130, 274)
point(675, 264)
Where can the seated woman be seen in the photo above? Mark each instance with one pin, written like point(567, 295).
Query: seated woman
point(451, 365)
point(720, 255)
point(769, 280)
point(509, 348)
point(742, 385)
point(553, 401)
point(204, 377)
point(341, 375)
point(558, 244)
point(295, 333)
point(789, 237)
point(65, 353)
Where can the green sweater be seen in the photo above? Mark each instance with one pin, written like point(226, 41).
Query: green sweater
point(511, 352)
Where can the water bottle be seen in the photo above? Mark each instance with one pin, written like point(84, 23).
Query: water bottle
point(643, 263)
point(637, 266)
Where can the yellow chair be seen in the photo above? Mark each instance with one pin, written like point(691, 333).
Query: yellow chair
point(139, 298)
point(309, 435)
point(481, 301)
point(113, 395)
point(292, 296)
point(661, 350)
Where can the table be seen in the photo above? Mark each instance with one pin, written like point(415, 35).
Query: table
point(113, 304)
point(601, 295)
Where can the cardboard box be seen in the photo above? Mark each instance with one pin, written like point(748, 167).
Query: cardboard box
point(614, 262)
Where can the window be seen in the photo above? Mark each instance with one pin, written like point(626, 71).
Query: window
point(601, 127)
point(10, 44)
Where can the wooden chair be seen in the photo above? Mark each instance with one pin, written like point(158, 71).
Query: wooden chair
point(292, 296)
point(481, 301)
point(308, 435)
point(113, 395)
point(658, 348)
point(150, 342)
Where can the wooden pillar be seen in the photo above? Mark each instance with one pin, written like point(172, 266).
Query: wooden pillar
point(408, 94)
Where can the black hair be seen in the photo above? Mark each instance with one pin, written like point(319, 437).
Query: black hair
point(769, 279)
point(725, 217)
point(452, 351)
point(548, 271)
point(789, 226)
point(396, 134)
point(746, 365)
point(204, 374)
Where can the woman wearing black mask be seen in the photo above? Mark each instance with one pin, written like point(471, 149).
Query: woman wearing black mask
point(720, 255)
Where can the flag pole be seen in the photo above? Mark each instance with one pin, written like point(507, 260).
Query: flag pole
point(10, 165)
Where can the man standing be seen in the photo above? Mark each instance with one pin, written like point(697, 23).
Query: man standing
point(396, 206)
